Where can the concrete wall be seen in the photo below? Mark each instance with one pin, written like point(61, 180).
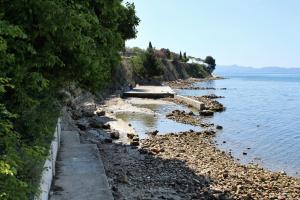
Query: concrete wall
point(191, 102)
point(49, 166)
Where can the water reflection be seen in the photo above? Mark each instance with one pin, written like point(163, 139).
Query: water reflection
point(144, 123)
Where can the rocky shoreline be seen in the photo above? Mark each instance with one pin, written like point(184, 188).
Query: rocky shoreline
point(185, 165)
point(188, 118)
point(188, 83)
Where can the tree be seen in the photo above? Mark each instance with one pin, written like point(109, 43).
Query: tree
point(180, 56)
point(211, 63)
point(185, 58)
point(150, 47)
point(151, 62)
point(45, 46)
point(128, 21)
point(168, 53)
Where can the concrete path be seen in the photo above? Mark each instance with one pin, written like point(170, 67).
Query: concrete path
point(80, 171)
point(150, 92)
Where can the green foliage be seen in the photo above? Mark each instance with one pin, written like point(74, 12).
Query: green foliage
point(180, 56)
point(128, 21)
point(137, 63)
point(46, 45)
point(211, 63)
point(185, 58)
point(198, 71)
point(152, 64)
point(137, 51)
point(168, 53)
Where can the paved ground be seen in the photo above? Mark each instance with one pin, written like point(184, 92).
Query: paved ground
point(150, 92)
point(80, 171)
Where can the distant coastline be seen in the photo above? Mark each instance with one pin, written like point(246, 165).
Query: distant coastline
point(238, 70)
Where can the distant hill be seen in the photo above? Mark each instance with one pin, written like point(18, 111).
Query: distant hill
point(240, 70)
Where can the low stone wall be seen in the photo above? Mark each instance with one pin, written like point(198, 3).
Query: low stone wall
point(191, 102)
point(49, 166)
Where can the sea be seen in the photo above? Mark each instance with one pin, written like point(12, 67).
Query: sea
point(261, 124)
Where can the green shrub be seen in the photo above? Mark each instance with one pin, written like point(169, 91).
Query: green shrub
point(137, 63)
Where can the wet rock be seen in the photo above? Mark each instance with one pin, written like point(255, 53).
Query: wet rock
point(96, 124)
point(106, 126)
point(219, 127)
point(282, 172)
point(134, 143)
point(244, 153)
point(76, 115)
point(88, 113)
point(184, 117)
point(143, 151)
point(212, 96)
point(191, 113)
point(82, 126)
point(206, 113)
point(210, 104)
point(114, 188)
point(153, 133)
point(130, 135)
point(115, 135)
point(136, 138)
point(108, 140)
point(208, 132)
point(169, 115)
point(100, 113)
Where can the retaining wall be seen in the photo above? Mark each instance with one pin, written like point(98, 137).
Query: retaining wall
point(49, 166)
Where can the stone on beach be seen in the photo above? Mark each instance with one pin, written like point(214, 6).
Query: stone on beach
point(206, 113)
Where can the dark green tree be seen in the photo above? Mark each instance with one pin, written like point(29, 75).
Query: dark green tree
point(211, 63)
point(168, 53)
point(180, 56)
point(150, 47)
point(152, 63)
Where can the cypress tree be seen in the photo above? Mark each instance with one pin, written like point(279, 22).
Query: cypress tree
point(150, 46)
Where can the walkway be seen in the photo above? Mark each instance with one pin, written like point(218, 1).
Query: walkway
point(80, 171)
point(150, 92)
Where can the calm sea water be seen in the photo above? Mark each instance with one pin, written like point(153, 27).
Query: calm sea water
point(143, 123)
point(262, 119)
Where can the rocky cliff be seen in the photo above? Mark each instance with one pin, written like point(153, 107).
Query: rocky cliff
point(125, 74)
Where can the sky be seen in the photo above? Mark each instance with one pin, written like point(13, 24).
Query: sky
point(255, 33)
